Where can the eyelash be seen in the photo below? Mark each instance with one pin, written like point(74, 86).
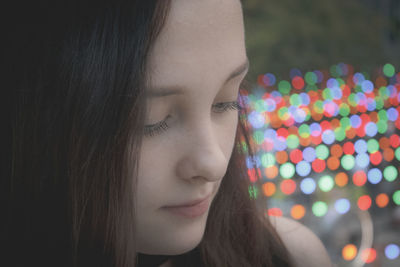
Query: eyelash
point(161, 126)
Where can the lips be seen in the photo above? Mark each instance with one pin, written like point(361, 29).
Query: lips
point(191, 211)
point(189, 203)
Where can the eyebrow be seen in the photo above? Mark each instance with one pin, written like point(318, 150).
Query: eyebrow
point(175, 90)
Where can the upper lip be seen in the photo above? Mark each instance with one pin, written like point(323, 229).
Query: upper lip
point(189, 203)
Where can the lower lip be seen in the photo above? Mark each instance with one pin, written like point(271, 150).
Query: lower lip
point(190, 211)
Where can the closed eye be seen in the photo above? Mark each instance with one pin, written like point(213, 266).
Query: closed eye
point(154, 129)
point(157, 128)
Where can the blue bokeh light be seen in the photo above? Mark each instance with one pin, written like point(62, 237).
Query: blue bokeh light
point(374, 176)
point(360, 146)
point(303, 168)
point(328, 137)
point(367, 86)
point(362, 160)
point(342, 205)
point(315, 129)
point(308, 186)
point(305, 99)
point(355, 121)
point(256, 119)
point(392, 251)
point(371, 104)
point(392, 114)
point(270, 105)
point(280, 143)
point(309, 154)
point(371, 129)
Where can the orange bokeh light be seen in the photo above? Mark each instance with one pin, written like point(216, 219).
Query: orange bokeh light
point(333, 163)
point(382, 200)
point(349, 252)
point(298, 211)
point(269, 189)
point(341, 179)
point(281, 157)
point(271, 172)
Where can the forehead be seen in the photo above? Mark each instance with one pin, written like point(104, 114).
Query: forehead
point(200, 40)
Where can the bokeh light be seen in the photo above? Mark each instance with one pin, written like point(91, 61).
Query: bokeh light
point(349, 252)
point(342, 205)
point(319, 208)
point(368, 255)
point(308, 186)
point(392, 251)
point(298, 211)
point(329, 149)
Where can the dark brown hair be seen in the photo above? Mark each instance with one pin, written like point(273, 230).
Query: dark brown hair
point(74, 73)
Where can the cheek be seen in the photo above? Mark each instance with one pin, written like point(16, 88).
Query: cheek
point(149, 181)
point(227, 135)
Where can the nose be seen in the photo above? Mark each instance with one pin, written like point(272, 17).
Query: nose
point(205, 157)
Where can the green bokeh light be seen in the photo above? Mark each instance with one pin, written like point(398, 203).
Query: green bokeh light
point(259, 105)
point(308, 115)
point(352, 100)
point(322, 151)
point(345, 123)
point(304, 130)
point(344, 109)
point(292, 141)
point(379, 102)
point(384, 92)
point(340, 81)
point(284, 87)
point(311, 78)
point(327, 94)
point(382, 115)
point(396, 197)
point(295, 100)
point(319, 208)
point(340, 134)
point(326, 183)
point(258, 137)
point(382, 126)
point(318, 106)
point(347, 162)
point(397, 153)
point(388, 70)
point(267, 160)
point(283, 113)
point(372, 146)
point(390, 173)
point(287, 170)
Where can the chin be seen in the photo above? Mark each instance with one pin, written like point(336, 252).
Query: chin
point(173, 239)
point(180, 251)
point(182, 246)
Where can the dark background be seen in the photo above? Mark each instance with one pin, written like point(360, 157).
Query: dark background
point(315, 34)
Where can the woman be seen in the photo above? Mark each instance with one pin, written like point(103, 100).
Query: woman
point(122, 110)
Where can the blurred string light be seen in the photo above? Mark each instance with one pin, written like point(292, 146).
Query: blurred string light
point(323, 131)
point(349, 252)
point(392, 251)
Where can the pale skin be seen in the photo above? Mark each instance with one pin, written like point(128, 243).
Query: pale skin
point(201, 45)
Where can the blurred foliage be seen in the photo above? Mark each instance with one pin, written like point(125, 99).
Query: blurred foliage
point(315, 34)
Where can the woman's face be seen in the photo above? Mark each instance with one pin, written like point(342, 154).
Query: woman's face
point(200, 52)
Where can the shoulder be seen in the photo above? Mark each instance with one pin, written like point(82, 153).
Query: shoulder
point(305, 247)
